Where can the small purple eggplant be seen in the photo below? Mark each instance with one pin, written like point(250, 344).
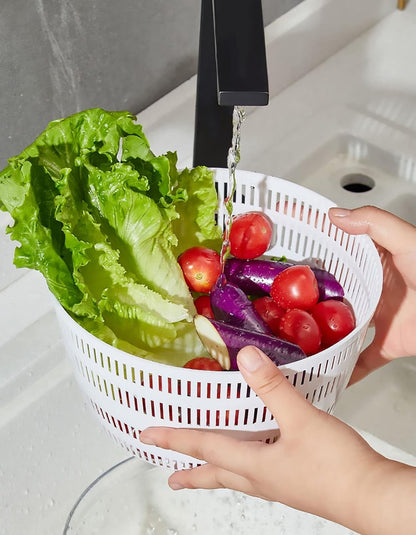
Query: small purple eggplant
point(223, 342)
point(230, 304)
point(255, 277)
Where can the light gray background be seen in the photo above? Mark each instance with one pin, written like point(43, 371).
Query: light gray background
point(58, 57)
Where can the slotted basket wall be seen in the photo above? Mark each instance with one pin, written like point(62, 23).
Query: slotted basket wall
point(128, 394)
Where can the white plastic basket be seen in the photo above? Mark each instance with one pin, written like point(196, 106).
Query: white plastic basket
point(128, 393)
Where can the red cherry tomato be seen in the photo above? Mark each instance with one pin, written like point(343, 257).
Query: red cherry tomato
point(250, 235)
point(335, 319)
point(203, 363)
point(299, 327)
point(270, 312)
point(201, 268)
point(295, 287)
point(203, 306)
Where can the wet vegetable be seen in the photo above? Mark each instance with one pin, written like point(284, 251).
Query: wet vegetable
point(295, 287)
point(230, 304)
point(335, 320)
point(250, 235)
point(256, 277)
point(224, 341)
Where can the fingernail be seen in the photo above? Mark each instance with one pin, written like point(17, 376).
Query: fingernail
point(175, 486)
point(250, 358)
point(146, 439)
point(340, 212)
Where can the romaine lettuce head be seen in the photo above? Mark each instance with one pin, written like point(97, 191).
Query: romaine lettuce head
point(104, 219)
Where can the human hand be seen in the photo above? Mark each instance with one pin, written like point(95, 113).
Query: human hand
point(395, 316)
point(318, 463)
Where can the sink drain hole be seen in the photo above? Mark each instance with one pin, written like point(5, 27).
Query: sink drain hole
point(357, 182)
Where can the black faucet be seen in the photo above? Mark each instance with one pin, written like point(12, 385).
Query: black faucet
point(232, 71)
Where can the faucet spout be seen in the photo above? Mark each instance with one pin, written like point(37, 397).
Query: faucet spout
point(232, 71)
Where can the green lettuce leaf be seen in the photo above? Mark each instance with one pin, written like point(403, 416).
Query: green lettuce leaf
point(196, 224)
point(104, 219)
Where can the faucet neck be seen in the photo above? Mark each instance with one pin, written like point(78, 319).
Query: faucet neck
point(232, 71)
point(213, 123)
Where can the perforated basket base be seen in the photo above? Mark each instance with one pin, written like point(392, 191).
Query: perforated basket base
point(128, 394)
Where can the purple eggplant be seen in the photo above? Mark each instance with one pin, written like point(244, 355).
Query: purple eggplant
point(255, 277)
point(230, 304)
point(223, 342)
point(329, 287)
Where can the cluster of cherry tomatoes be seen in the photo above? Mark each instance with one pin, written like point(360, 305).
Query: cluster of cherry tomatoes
point(292, 310)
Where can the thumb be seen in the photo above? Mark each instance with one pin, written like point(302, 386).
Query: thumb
point(282, 399)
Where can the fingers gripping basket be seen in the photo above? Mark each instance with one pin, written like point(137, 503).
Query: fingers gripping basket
point(128, 394)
